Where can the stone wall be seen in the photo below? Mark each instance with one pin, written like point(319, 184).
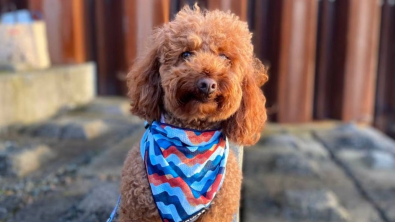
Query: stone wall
point(32, 96)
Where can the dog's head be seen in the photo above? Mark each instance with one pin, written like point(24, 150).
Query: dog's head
point(201, 67)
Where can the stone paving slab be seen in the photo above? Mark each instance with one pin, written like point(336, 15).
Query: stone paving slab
point(62, 188)
point(94, 206)
point(110, 162)
point(290, 176)
point(369, 158)
point(21, 159)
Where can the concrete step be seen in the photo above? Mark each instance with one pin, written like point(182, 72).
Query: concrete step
point(32, 96)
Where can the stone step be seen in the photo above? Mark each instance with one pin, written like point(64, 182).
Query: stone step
point(32, 96)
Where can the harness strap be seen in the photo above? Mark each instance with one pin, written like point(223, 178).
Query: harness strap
point(114, 212)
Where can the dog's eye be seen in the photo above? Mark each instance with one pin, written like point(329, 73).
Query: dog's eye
point(186, 55)
point(223, 56)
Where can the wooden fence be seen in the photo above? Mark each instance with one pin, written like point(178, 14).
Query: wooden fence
point(329, 59)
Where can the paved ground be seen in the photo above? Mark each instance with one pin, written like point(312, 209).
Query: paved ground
point(67, 169)
point(320, 172)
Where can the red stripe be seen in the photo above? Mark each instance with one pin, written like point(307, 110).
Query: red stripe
point(214, 187)
point(178, 182)
point(200, 158)
point(203, 137)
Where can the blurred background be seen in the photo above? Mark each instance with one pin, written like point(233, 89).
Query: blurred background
point(327, 59)
point(326, 155)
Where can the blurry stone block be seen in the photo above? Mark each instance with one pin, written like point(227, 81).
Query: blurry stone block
point(280, 140)
point(316, 205)
point(103, 198)
point(295, 164)
point(110, 105)
point(380, 160)
point(311, 147)
point(49, 130)
point(368, 157)
point(291, 176)
point(9, 204)
point(20, 161)
point(83, 130)
point(78, 128)
point(3, 213)
point(95, 206)
point(350, 136)
point(31, 96)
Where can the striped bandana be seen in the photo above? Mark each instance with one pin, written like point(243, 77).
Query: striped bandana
point(185, 169)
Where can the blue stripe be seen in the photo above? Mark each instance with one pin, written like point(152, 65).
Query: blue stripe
point(173, 170)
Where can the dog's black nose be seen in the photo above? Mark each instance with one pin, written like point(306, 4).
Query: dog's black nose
point(207, 85)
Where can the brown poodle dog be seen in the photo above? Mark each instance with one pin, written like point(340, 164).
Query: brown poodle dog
point(199, 73)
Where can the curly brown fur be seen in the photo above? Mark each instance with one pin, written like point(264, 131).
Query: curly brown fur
point(164, 82)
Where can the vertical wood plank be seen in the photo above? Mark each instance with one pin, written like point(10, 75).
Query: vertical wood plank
point(201, 3)
point(78, 29)
point(331, 59)
point(101, 51)
point(130, 26)
point(20, 4)
point(65, 29)
point(266, 25)
point(109, 45)
point(175, 6)
point(136, 29)
point(361, 60)
point(139, 18)
point(239, 7)
point(325, 45)
point(385, 96)
point(297, 60)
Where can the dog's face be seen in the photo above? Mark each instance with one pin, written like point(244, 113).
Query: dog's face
point(201, 67)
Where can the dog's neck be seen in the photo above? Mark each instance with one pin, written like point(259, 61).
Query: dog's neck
point(191, 124)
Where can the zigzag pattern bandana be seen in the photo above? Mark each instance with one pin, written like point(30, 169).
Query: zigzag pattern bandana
point(185, 169)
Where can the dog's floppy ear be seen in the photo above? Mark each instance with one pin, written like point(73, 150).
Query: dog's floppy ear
point(145, 91)
point(245, 126)
point(260, 72)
